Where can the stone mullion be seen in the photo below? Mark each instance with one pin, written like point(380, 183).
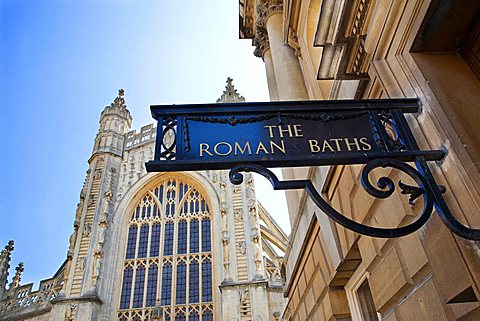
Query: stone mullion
point(173, 299)
point(161, 210)
point(148, 263)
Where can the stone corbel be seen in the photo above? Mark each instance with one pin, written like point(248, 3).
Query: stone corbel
point(293, 42)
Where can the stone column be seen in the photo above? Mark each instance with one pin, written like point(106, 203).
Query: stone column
point(272, 82)
point(287, 70)
point(263, 51)
point(288, 73)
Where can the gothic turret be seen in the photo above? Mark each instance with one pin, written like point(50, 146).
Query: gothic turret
point(88, 242)
point(5, 257)
point(115, 121)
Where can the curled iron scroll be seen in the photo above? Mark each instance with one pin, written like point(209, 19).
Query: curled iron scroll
point(385, 187)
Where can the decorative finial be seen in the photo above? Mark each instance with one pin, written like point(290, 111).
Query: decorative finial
point(8, 248)
point(17, 277)
point(5, 265)
point(230, 94)
point(119, 101)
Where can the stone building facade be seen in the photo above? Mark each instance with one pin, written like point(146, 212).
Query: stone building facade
point(358, 49)
point(156, 246)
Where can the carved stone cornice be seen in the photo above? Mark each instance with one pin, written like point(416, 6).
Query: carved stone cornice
point(261, 42)
point(265, 9)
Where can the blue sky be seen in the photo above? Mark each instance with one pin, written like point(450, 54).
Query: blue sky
point(62, 62)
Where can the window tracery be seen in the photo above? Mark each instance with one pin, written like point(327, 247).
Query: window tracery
point(168, 259)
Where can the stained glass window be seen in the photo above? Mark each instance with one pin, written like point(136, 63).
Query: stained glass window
point(139, 285)
point(143, 241)
point(132, 242)
point(167, 284)
point(182, 237)
point(126, 288)
point(194, 236)
point(193, 293)
point(207, 281)
point(173, 215)
point(194, 316)
point(207, 316)
point(181, 286)
point(152, 286)
point(155, 240)
point(168, 242)
point(206, 242)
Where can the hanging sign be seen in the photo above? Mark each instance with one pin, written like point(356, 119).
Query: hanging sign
point(279, 134)
point(252, 137)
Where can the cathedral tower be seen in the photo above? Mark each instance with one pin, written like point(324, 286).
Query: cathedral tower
point(160, 246)
point(87, 242)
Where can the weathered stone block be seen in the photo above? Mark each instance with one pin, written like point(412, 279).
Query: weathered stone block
point(388, 282)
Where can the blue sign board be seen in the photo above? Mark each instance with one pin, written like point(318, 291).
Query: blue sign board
point(278, 134)
point(256, 136)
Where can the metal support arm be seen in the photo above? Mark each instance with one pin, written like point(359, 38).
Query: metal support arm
point(427, 189)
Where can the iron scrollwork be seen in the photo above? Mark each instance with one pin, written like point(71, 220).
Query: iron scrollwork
point(168, 143)
point(427, 188)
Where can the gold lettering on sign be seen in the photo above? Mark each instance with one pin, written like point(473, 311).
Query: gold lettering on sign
point(280, 148)
point(288, 130)
point(314, 148)
point(291, 130)
point(261, 147)
point(204, 148)
point(270, 130)
point(364, 142)
point(215, 149)
point(297, 130)
point(337, 143)
point(349, 144)
point(238, 147)
point(327, 145)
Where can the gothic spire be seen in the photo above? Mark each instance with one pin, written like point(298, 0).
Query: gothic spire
point(230, 94)
point(5, 257)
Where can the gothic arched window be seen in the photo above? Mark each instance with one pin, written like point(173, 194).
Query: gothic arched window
point(168, 260)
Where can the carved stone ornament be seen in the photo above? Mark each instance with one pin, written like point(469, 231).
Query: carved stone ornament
point(237, 215)
point(87, 229)
point(72, 240)
point(261, 42)
point(265, 9)
point(242, 294)
point(97, 174)
point(293, 42)
point(97, 265)
point(257, 254)
point(81, 263)
point(119, 101)
point(17, 277)
point(242, 247)
point(230, 94)
point(107, 198)
point(70, 312)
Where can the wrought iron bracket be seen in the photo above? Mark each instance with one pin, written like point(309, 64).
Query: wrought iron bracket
point(427, 189)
